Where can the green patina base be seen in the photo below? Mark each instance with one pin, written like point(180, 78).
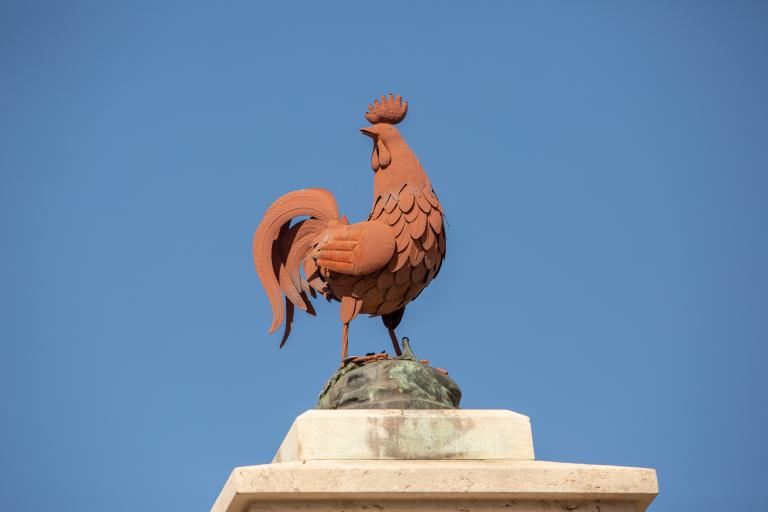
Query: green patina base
point(399, 383)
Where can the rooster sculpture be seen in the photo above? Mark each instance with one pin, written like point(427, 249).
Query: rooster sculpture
point(377, 266)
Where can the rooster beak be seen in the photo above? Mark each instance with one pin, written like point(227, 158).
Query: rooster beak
point(369, 132)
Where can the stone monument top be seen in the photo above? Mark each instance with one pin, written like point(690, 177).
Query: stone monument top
point(409, 460)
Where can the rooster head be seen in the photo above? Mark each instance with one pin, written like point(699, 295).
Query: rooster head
point(383, 115)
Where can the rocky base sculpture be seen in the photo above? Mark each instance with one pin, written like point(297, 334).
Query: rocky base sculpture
point(387, 433)
point(376, 381)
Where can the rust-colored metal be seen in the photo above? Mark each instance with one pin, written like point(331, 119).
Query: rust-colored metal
point(368, 358)
point(389, 110)
point(376, 266)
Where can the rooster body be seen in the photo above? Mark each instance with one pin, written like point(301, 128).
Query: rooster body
point(375, 267)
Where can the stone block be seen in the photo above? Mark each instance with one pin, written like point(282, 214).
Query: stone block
point(407, 434)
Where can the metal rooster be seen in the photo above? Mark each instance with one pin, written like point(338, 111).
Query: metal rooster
point(375, 267)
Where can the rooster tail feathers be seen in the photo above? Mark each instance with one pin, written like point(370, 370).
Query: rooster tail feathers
point(279, 248)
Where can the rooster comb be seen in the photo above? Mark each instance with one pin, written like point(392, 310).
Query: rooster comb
point(387, 110)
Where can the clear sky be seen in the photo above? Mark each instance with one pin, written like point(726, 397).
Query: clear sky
point(603, 167)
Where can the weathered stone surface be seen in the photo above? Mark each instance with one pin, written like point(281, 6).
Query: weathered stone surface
point(407, 434)
point(449, 505)
point(399, 383)
point(432, 485)
point(329, 461)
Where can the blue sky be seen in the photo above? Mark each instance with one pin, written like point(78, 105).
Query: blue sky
point(602, 167)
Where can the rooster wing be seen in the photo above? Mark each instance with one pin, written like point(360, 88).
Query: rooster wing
point(355, 249)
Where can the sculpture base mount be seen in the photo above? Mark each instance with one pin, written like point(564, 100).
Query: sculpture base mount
point(377, 381)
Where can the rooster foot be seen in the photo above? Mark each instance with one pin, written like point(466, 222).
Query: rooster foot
point(367, 358)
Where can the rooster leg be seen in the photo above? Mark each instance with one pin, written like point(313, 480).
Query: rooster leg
point(391, 321)
point(349, 309)
point(395, 343)
point(344, 342)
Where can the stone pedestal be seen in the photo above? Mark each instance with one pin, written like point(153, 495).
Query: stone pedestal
point(398, 460)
